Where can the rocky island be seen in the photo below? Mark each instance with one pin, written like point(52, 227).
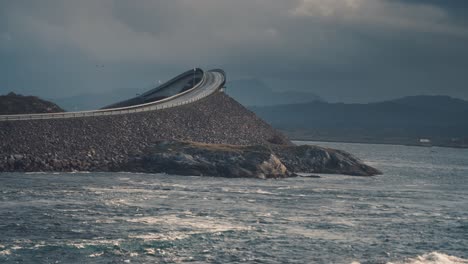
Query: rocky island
point(213, 136)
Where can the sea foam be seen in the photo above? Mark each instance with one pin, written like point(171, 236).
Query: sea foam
point(433, 258)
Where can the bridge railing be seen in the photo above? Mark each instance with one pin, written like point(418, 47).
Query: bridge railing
point(221, 72)
point(157, 105)
point(161, 87)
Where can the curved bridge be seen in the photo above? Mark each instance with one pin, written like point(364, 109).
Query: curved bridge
point(207, 83)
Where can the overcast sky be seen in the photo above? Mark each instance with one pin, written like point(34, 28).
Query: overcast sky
point(343, 50)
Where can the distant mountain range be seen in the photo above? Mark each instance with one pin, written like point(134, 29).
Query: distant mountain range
point(253, 92)
point(442, 119)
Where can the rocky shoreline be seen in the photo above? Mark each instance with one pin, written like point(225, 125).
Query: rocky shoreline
point(215, 160)
point(257, 161)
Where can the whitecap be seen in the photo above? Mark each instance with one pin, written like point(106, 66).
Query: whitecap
point(105, 221)
point(171, 236)
point(150, 251)
point(5, 252)
point(124, 179)
point(117, 189)
point(98, 254)
point(39, 245)
point(208, 224)
point(433, 258)
point(86, 243)
point(246, 191)
point(77, 172)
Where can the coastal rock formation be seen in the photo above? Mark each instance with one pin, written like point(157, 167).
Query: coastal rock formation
point(216, 160)
point(12, 104)
point(259, 161)
point(188, 158)
point(314, 159)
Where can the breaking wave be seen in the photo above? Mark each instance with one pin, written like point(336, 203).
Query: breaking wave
point(433, 258)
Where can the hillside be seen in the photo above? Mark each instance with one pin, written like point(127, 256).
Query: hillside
point(441, 119)
point(12, 103)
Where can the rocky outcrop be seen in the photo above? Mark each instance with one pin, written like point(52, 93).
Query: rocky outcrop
point(12, 104)
point(216, 160)
point(314, 159)
point(259, 161)
point(188, 158)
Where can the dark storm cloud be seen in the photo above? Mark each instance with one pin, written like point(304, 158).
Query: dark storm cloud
point(342, 49)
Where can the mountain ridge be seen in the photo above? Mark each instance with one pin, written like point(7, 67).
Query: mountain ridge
point(254, 92)
point(404, 120)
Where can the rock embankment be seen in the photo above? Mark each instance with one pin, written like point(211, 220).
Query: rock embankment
point(12, 104)
point(105, 142)
point(242, 145)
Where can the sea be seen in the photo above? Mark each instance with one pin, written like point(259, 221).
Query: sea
point(415, 213)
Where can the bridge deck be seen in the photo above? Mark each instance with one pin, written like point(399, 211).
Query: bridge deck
point(211, 82)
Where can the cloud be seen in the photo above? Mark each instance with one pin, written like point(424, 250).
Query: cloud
point(297, 39)
point(177, 30)
point(381, 14)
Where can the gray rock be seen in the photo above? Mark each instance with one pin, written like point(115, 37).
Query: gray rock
point(314, 159)
point(18, 157)
point(188, 158)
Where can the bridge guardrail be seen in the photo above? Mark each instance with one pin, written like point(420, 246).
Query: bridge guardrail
point(222, 72)
point(158, 105)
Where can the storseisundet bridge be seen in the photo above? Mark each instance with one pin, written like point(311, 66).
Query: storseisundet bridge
point(186, 88)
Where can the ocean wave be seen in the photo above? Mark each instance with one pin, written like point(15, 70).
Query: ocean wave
point(98, 254)
point(171, 236)
point(5, 252)
point(118, 189)
point(199, 223)
point(81, 244)
point(246, 191)
point(78, 172)
point(433, 258)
